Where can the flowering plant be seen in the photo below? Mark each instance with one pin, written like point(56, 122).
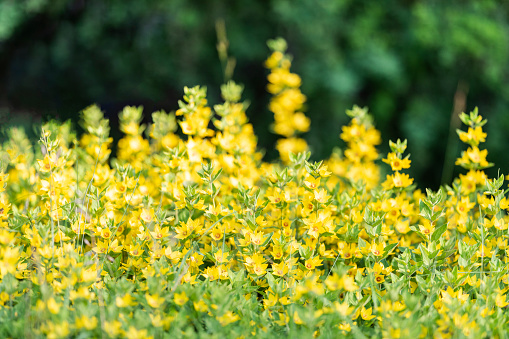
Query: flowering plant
point(188, 233)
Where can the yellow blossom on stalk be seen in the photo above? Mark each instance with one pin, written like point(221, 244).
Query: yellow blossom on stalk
point(366, 314)
point(396, 163)
point(427, 229)
point(286, 102)
point(182, 231)
point(473, 157)
point(464, 206)
point(334, 282)
point(312, 263)
point(343, 308)
point(154, 301)
point(200, 306)
point(221, 257)
point(474, 136)
point(397, 180)
point(180, 298)
point(256, 264)
point(280, 269)
point(135, 250)
point(86, 322)
point(160, 233)
point(312, 183)
point(147, 215)
point(113, 328)
point(377, 249)
point(53, 306)
point(228, 318)
point(46, 164)
point(125, 301)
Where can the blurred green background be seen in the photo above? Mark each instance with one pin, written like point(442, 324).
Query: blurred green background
point(415, 64)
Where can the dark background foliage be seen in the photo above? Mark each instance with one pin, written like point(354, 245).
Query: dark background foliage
point(415, 64)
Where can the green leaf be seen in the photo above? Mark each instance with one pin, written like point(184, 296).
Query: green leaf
point(271, 281)
point(462, 262)
point(438, 232)
point(361, 243)
point(389, 248)
point(421, 282)
point(267, 239)
point(426, 211)
point(304, 252)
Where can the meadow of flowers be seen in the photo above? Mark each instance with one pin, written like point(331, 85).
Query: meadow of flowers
point(187, 233)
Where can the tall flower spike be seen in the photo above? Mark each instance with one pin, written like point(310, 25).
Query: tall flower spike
point(287, 102)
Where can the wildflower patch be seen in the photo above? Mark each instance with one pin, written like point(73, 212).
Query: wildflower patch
point(188, 233)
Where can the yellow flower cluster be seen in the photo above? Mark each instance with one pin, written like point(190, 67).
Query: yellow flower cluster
point(286, 103)
point(190, 234)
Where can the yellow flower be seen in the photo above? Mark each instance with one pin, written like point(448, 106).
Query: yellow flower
point(312, 263)
point(228, 318)
point(427, 229)
point(53, 306)
point(334, 282)
point(500, 300)
point(312, 183)
point(401, 180)
point(125, 301)
point(344, 309)
point(473, 136)
point(147, 215)
point(271, 300)
point(279, 269)
point(46, 164)
point(366, 314)
point(221, 257)
point(277, 252)
point(256, 238)
point(321, 196)
point(377, 249)
point(105, 233)
point(256, 264)
point(113, 328)
point(86, 322)
point(464, 206)
point(115, 247)
point(135, 250)
point(160, 233)
point(200, 306)
point(154, 301)
point(297, 319)
point(182, 231)
point(396, 163)
point(349, 284)
point(180, 298)
point(133, 333)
